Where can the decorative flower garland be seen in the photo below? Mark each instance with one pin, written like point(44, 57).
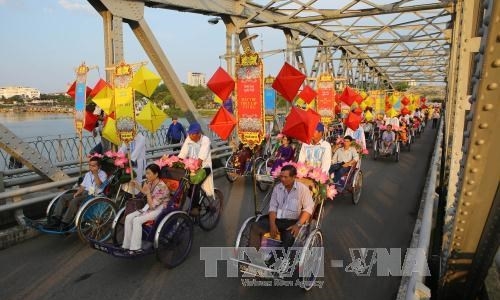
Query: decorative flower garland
point(321, 179)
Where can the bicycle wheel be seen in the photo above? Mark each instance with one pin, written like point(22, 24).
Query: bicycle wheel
point(311, 260)
point(210, 209)
point(119, 227)
point(231, 172)
point(174, 238)
point(357, 186)
point(94, 219)
point(262, 170)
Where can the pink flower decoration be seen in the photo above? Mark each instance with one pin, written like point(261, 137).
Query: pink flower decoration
point(315, 174)
point(121, 155)
point(365, 151)
point(191, 164)
point(95, 155)
point(323, 178)
point(121, 162)
point(110, 154)
point(276, 173)
point(331, 191)
point(279, 136)
point(302, 170)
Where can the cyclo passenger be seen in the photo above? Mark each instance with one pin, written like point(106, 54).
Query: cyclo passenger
point(403, 133)
point(90, 186)
point(388, 139)
point(157, 196)
point(319, 152)
point(197, 146)
point(290, 207)
point(284, 153)
point(343, 159)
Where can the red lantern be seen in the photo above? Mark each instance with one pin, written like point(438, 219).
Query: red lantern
point(98, 87)
point(301, 124)
point(90, 121)
point(405, 111)
point(349, 96)
point(221, 83)
point(223, 123)
point(71, 91)
point(288, 82)
point(405, 101)
point(307, 94)
point(353, 120)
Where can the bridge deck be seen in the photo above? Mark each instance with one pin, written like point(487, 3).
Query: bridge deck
point(54, 267)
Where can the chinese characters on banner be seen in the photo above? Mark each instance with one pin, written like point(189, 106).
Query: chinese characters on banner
point(124, 101)
point(80, 96)
point(249, 104)
point(326, 98)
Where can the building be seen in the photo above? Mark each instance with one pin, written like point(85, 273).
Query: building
point(196, 79)
point(25, 92)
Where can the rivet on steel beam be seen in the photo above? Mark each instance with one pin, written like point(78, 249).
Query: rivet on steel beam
point(496, 63)
point(480, 142)
point(460, 229)
point(458, 237)
point(477, 156)
point(463, 212)
point(492, 86)
point(463, 221)
point(470, 181)
point(457, 244)
point(474, 170)
point(483, 125)
point(488, 107)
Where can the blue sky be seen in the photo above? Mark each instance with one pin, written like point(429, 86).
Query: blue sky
point(44, 40)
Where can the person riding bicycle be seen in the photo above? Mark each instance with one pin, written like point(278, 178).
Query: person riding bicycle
point(319, 152)
point(91, 185)
point(291, 207)
point(197, 146)
point(343, 159)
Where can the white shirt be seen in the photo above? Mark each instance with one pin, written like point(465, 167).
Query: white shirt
point(358, 135)
point(89, 183)
point(342, 155)
point(316, 155)
point(200, 150)
point(289, 205)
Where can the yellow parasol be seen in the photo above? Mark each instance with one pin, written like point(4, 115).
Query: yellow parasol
point(145, 81)
point(109, 132)
point(104, 99)
point(151, 117)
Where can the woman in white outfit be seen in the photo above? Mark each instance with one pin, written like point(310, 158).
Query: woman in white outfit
point(157, 195)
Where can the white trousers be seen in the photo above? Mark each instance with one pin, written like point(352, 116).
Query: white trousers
point(132, 238)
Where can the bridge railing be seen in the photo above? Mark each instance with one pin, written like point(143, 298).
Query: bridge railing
point(15, 199)
point(64, 148)
point(413, 287)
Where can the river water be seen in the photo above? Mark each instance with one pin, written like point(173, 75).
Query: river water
point(29, 125)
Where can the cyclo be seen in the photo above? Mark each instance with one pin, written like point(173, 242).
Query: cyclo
point(309, 241)
point(393, 152)
point(352, 183)
point(170, 235)
point(242, 162)
point(95, 213)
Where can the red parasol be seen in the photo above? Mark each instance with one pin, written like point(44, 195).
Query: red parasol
point(98, 87)
point(288, 82)
point(308, 94)
point(90, 121)
point(301, 124)
point(349, 96)
point(221, 83)
point(352, 121)
point(223, 123)
point(71, 90)
point(405, 101)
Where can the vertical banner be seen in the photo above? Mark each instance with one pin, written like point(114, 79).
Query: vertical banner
point(269, 98)
point(249, 104)
point(379, 101)
point(395, 100)
point(80, 96)
point(326, 98)
point(124, 102)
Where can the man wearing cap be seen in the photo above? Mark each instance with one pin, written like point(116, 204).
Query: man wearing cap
point(175, 132)
point(197, 146)
point(319, 152)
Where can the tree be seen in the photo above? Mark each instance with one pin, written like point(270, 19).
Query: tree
point(401, 86)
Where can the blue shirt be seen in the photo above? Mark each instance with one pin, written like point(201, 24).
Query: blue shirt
point(176, 131)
